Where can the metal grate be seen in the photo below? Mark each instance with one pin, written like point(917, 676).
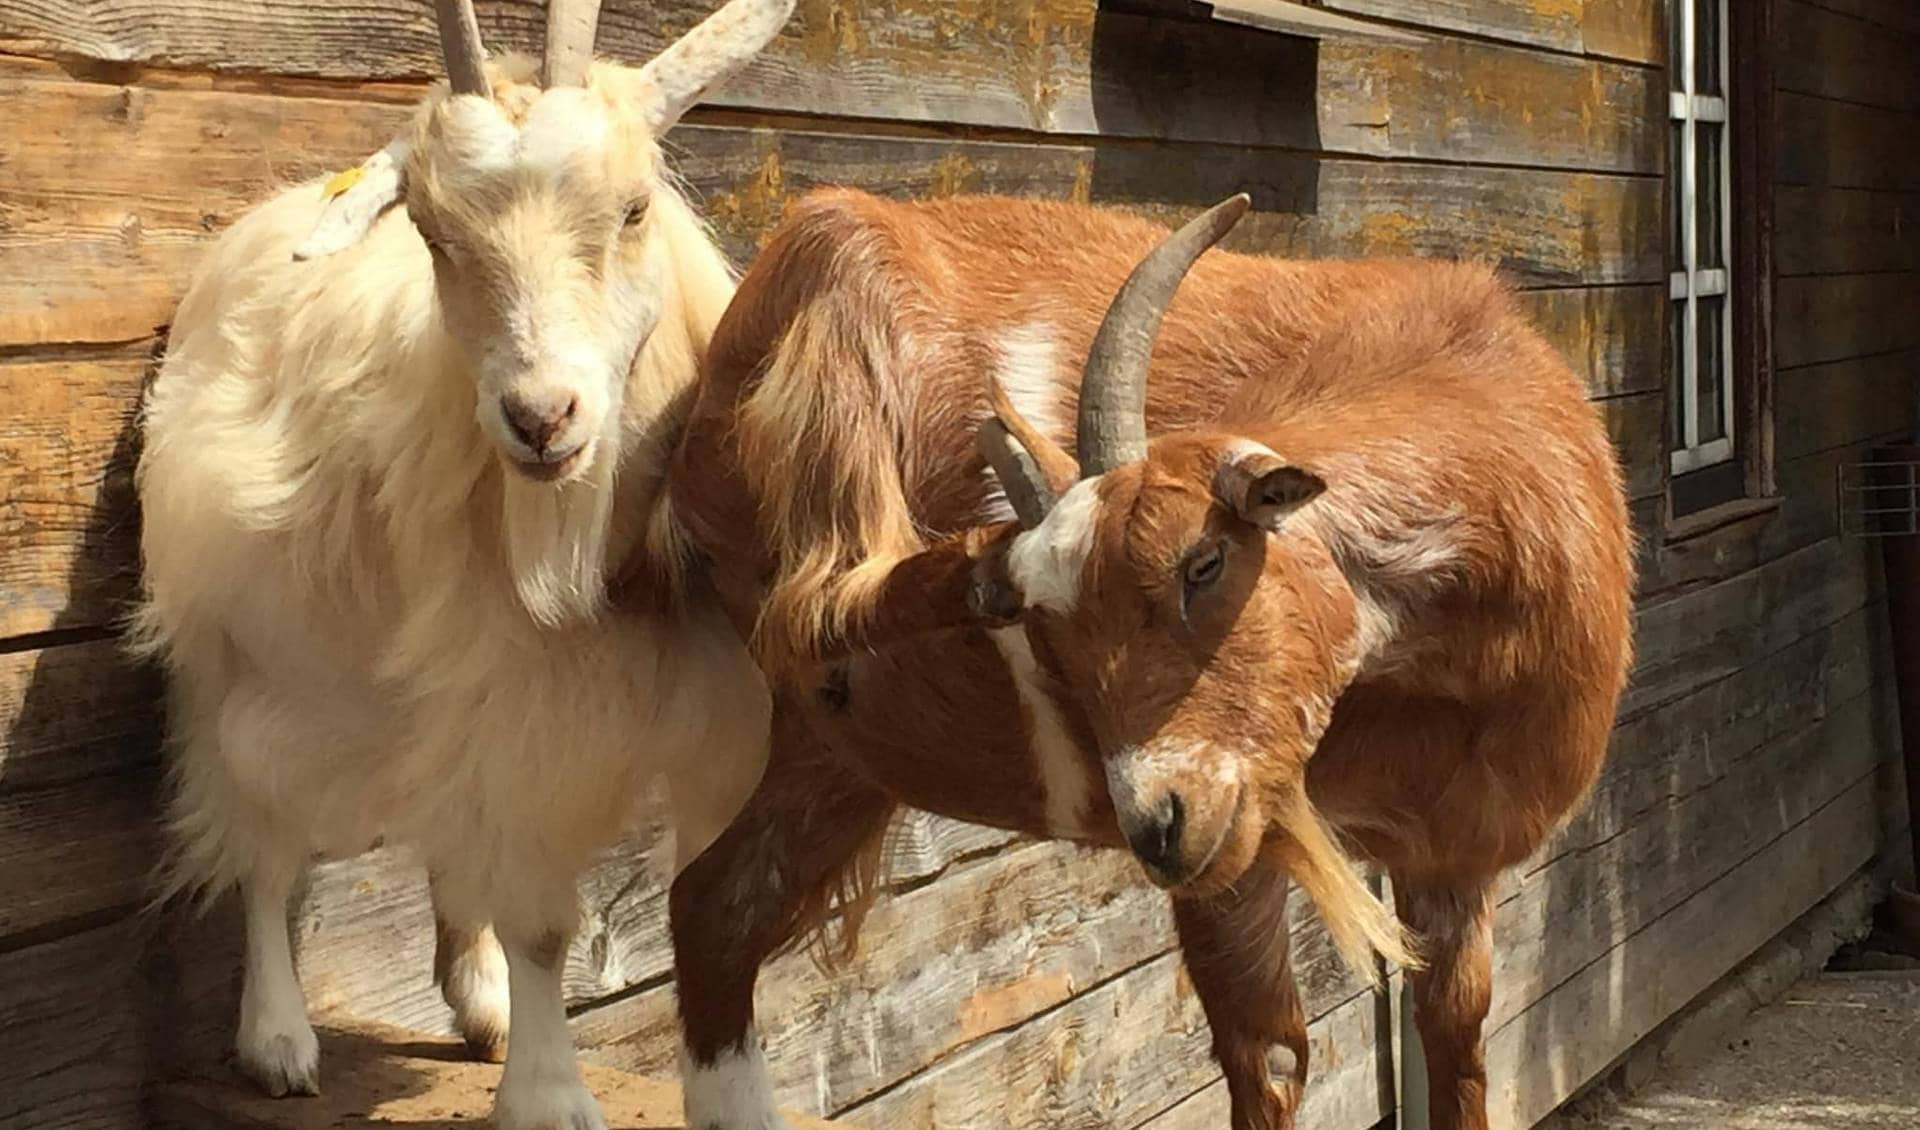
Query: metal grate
point(1879, 498)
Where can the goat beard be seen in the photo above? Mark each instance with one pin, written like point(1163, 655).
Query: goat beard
point(556, 535)
point(1357, 921)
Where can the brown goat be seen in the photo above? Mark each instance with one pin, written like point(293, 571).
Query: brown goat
point(1368, 590)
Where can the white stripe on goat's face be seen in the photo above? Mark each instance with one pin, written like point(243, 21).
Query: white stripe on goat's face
point(1045, 563)
point(1200, 635)
point(533, 205)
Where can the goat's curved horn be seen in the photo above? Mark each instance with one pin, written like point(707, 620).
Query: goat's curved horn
point(460, 44)
point(1113, 391)
point(1032, 469)
point(570, 28)
point(717, 47)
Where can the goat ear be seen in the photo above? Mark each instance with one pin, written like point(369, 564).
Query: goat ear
point(1263, 488)
point(355, 199)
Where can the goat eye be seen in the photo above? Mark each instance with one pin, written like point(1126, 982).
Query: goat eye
point(1205, 567)
point(636, 212)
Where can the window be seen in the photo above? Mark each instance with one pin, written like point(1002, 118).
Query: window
point(1699, 326)
point(1718, 312)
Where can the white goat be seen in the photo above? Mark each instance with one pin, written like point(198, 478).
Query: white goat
point(392, 457)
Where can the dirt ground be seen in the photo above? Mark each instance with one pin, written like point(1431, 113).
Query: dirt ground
point(1840, 1051)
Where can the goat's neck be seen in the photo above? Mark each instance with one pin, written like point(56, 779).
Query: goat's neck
point(661, 384)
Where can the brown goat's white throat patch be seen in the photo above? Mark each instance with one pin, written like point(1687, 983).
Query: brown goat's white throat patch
point(1061, 767)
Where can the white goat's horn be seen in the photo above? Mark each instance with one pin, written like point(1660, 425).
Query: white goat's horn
point(570, 28)
point(720, 45)
point(1113, 390)
point(460, 44)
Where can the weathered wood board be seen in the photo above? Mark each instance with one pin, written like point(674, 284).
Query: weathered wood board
point(1561, 1041)
point(1843, 402)
point(73, 1052)
point(72, 712)
point(1633, 30)
point(1833, 317)
point(68, 526)
point(74, 853)
point(1697, 637)
point(1043, 66)
point(1827, 142)
point(105, 260)
point(1835, 231)
point(1849, 60)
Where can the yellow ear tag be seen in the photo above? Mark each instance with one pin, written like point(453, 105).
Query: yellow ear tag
point(342, 181)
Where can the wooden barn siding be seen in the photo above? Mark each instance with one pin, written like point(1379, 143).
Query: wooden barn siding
point(1008, 982)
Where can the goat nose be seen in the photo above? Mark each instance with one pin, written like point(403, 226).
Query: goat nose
point(1156, 839)
point(535, 419)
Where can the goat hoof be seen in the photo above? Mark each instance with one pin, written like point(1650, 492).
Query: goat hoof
point(283, 1065)
point(481, 1019)
point(486, 1047)
point(547, 1105)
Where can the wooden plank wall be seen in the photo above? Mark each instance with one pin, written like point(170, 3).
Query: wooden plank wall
point(1007, 983)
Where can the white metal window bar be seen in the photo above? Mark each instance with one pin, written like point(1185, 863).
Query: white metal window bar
point(1702, 282)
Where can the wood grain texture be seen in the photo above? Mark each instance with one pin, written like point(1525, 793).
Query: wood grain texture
point(1611, 336)
point(1633, 30)
point(1697, 637)
point(74, 852)
point(1568, 1037)
point(74, 711)
point(1115, 1056)
point(364, 931)
point(1889, 15)
point(1838, 56)
point(988, 949)
point(72, 1054)
point(67, 531)
point(99, 251)
point(1832, 231)
point(1834, 317)
point(1463, 100)
point(1049, 66)
point(1345, 1090)
point(1808, 489)
point(1634, 425)
point(1575, 909)
point(103, 256)
point(1845, 402)
point(1826, 142)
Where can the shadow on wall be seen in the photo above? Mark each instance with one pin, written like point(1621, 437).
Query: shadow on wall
point(1197, 110)
point(1726, 810)
point(101, 993)
point(77, 772)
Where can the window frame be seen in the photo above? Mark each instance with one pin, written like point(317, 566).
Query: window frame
point(1689, 283)
point(1698, 495)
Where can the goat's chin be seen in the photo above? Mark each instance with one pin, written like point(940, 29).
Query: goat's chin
point(565, 469)
point(1239, 846)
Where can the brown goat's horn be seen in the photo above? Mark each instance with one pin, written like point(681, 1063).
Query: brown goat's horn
point(460, 43)
point(1032, 469)
point(570, 28)
point(1113, 391)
